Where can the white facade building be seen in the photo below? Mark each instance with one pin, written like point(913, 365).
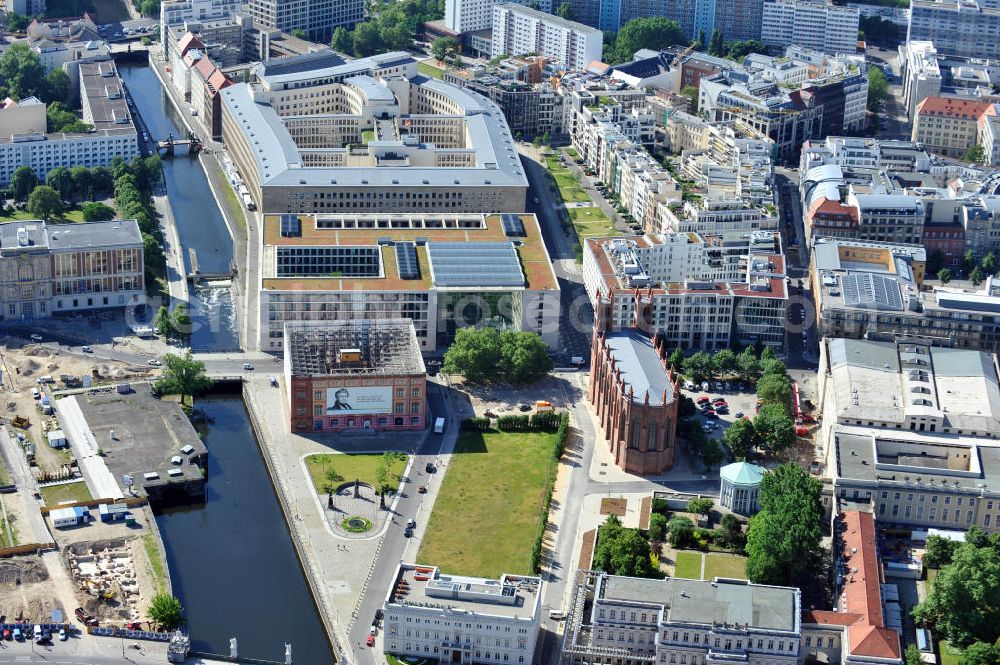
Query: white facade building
point(518, 30)
point(104, 107)
point(816, 25)
point(457, 619)
point(174, 13)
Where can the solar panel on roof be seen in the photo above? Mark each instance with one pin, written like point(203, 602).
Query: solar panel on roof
point(867, 290)
point(512, 225)
point(291, 227)
point(406, 260)
point(483, 264)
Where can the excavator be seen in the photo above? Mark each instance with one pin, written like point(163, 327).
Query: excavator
point(102, 590)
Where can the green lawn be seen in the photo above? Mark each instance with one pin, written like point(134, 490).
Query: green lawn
point(570, 190)
point(688, 565)
point(949, 654)
point(725, 565)
point(591, 222)
point(53, 495)
point(349, 468)
point(428, 69)
point(153, 553)
point(367, 136)
point(489, 508)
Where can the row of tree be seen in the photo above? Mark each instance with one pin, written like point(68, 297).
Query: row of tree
point(175, 323)
point(977, 270)
point(744, 366)
point(390, 26)
point(487, 353)
point(734, 50)
point(771, 431)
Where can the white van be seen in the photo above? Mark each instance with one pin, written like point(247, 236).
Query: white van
point(46, 378)
point(439, 426)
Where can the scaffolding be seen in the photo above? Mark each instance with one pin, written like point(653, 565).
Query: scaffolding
point(356, 346)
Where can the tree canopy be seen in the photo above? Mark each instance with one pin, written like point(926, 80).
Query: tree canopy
point(962, 603)
point(166, 611)
point(783, 541)
point(654, 32)
point(22, 182)
point(740, 438)
point(774, 429)
point(95, 211)
point(390, 26)
point(45, 203)
point(622, 551)
point(21, 72)
point(774, 389)
point(182, 375)
point(486, 353)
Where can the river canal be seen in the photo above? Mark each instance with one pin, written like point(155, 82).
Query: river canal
point(231, 559)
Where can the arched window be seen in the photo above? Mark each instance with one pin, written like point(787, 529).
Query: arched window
point(651, 439)
point(634, 439)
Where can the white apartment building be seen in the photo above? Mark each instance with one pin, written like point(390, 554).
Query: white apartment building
point(459, 619)
point(461, 16)
point(53, 56)
point(969, 28)
point(682, 621)
point(175, 13)
point(816, 25)
point(518, 30)
point(26, 116)
point(104, 107)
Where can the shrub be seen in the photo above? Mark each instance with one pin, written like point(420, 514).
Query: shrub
point(475, 425)
point(660, 506)
point(546, 422)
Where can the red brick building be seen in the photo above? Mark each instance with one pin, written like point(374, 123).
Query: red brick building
point(635, 395)
point(354, 375)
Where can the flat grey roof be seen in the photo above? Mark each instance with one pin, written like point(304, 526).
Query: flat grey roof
point(63, 237)
point(707, 602)
point(475, 264)
point(640, 366)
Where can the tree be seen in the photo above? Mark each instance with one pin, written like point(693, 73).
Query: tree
point(980, 653)
point(939, 551)
point(656, 33)
point(976, 276)
point(772, 366)
point(150, 8)
point(44, 202)
point(691, 92)
point(944, 275)
point(878, 88)
point(21, 72)
point(783, 540)
point(700, 506)
point(716, 45)
point(58, 85)
point(180, 320)
point(711, 453)
point(622, 551)
point(935, 261)
point(677, 360)
point(341, 40)
point(94, 211)
point(741, 49)
point(60, 119)
point(182, 375)
point(485, 353)
point(775, 430)
point(775, 389)
point(876, 29)
point(299, 33)
point(989, 263)
point(442, 47)
point(962, 603)
point(724, 362)
point(699, 367)
point(523, 356)
point(657, 527)
point(747, 365)
point(767, 354)
point(976, 154)
point(681, 531)
point(686, 407)
point(969, 261)
point(166, 611)
point(61, 180)
point(912, 655)
point(564, 10)
point(732, 531)
point(22, 182)
point(161, 321)
point(740, 438)
point(17, 22)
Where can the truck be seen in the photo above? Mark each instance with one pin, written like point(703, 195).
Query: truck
point(439, 426)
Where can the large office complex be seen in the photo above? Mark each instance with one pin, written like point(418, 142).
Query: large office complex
point(518, 29)
point(103, 100)
point(969, 28)
point(318, 18)
point(912, 429)
point(640, 282)
point(442, 271)
point(617, 619)
point(320, 135)
point(459, 619)
point(354, 374)
point(811, 24)
point(47, 269)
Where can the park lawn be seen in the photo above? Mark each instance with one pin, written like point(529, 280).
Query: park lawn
point(496, 485)
point(688, 565)
point(725, 565)
point(949, 654)
point(53, 495)
point(591, 223)
point(349, 468)
point(569, 189)
point(430, 70)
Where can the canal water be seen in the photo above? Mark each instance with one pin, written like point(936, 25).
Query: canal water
point(199, 222)
point(231, 559)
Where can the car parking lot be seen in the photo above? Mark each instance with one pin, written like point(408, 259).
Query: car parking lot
point(738, 401)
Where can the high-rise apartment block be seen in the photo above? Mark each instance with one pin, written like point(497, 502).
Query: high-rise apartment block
point(816, 25)
point(969, 28)
point(518, 29)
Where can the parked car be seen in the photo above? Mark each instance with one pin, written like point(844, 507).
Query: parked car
point(86, 349)
point(407, 532)
point(411, 523)
point(18, 635)
point(706, 428)
point(247, 366)
point(429, 468)
point(422, 489)
point(373, 630)
point(704, 399)
point(370, 641)
point(711, 414)
point(154, 362)
point(738, 414)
